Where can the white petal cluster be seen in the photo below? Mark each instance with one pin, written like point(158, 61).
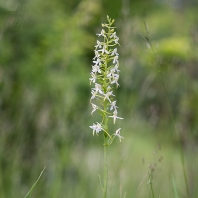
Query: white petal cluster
point(104, 74)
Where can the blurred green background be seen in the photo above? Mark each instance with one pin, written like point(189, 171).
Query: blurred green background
point(46, 51)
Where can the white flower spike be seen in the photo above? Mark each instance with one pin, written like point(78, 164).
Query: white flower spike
point(105, 76)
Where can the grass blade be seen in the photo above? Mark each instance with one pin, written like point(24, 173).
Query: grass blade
point(175, 189)
point(34, 183)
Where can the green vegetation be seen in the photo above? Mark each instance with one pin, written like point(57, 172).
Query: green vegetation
point(45, 63)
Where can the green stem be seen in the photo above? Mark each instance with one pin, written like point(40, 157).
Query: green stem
point(151, 184)
point(105, 122)
point(34, 183)
point(105, 169)
point(105, 151)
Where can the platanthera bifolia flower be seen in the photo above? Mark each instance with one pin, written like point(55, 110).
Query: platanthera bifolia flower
point(105, 76)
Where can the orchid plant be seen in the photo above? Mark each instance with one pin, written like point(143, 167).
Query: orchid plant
point(104, 76)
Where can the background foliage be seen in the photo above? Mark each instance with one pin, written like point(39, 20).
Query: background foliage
point(45, 63)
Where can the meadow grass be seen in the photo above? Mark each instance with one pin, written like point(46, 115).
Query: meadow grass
point(148, 162)
point(142, 166)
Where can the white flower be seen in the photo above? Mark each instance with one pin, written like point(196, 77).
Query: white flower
point(97, 55)
point(116, 40)
point(115, 60)
point(102, 33)
point(110, 74)
point(115, 79)
point(116, 68)
point(113, 105)
point(96, 128)
point(107, 95)
point(94, 77)
point(96, 68)
point(99, 44)
point(97, 62)
point(98, 88)
point(113, 35)
point(114, 52)
point(94, 93)
point(117, 133)
point(115, 116)
point(94, 108)
point(103, 50)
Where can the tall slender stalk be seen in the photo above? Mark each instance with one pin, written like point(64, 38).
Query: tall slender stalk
point(105, 169)
point(151, 183)
point(105, 74)
point(105, 152)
